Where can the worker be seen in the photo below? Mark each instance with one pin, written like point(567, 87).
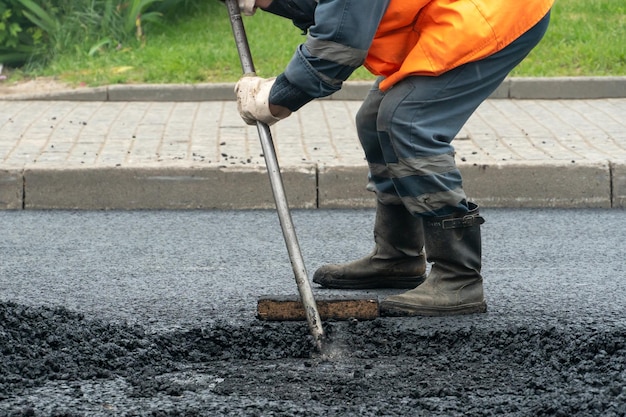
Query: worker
point(436, 62)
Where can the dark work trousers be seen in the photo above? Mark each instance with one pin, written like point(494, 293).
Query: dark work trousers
point(406, 132)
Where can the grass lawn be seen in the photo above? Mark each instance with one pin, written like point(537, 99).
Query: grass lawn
point(586, 37)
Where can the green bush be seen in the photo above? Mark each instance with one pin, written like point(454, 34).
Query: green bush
point(181, 8)
point(19, 37)
point(34, 31)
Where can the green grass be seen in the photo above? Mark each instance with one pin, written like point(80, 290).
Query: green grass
point(586, 37)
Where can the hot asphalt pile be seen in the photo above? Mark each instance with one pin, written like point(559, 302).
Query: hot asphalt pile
point(56, 362)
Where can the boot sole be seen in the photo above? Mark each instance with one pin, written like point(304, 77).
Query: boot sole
point(393, 309)
point(373, 283)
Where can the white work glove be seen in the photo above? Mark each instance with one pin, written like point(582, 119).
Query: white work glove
point(247, 7)
point(253, 102)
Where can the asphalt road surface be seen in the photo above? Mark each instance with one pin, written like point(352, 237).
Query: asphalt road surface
point(153, 314)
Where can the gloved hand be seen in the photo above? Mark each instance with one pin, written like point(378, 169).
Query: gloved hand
point(253, 100)
point(247, 7)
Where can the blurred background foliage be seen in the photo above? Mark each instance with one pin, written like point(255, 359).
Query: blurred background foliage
point(35, 32)
point(100, 42)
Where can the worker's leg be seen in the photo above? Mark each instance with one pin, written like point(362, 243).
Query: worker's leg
point(397, 260)
point(417, 121)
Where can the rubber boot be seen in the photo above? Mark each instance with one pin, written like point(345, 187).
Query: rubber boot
point(454, 284)
point(397, 260)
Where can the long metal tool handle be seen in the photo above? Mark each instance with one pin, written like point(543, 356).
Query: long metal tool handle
point(282, 207)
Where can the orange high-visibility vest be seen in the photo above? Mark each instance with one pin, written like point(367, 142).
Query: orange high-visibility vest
point(430, 37)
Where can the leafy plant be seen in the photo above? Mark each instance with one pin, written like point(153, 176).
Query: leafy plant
point(9, 30)
point(19, 38)
point(177, 8)
point(137, 12)
point(55, 26)
point(44, 20)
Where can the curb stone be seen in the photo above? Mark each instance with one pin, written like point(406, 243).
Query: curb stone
point(619, 185)
point(546, 88)
point(172, 188)
point(11, 189)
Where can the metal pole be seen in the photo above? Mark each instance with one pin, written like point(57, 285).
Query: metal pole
point(276, 182)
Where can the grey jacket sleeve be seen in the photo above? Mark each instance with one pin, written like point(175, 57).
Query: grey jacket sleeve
point(336, 45)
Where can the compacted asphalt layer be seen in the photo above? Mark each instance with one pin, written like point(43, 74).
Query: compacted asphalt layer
point(150, 313)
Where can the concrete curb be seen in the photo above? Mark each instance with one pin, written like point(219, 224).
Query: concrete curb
point(524, 185)
point(548, 88)
point(165, 187)
point(618, 183)
point(521, 185)
point(11, 189)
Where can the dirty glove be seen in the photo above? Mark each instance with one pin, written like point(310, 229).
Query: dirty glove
point(253, 102)
point(247, 7)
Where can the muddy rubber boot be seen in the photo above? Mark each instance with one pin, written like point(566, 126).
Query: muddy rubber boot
point(454, 284)
point(397, 260)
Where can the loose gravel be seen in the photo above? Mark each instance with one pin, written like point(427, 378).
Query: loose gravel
point(56, 362)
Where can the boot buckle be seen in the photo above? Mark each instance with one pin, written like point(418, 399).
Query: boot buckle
point(460, 222)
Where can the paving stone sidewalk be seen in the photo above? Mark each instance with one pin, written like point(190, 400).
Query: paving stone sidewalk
point(159, 152)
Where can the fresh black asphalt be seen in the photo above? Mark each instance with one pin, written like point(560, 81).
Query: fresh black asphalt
point(152, 313)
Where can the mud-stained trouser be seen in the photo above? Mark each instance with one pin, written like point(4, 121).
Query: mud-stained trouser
point(406, 132)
